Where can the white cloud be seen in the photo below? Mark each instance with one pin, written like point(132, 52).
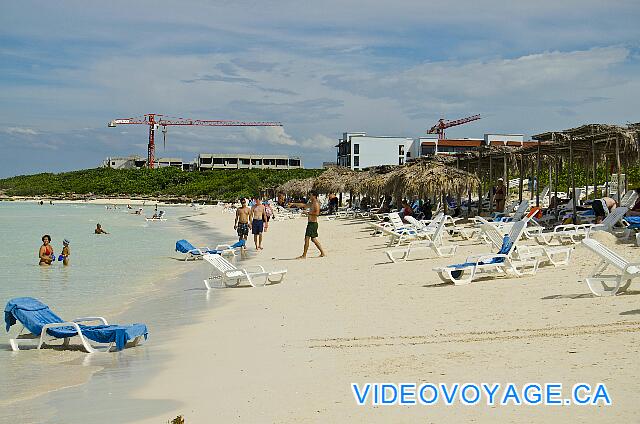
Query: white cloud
point(272, 135)
point(20, 131)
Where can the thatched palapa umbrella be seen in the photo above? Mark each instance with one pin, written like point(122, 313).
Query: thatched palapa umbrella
point(376, 180)
point(297, 187)
point(334, 180)
point(423, 178)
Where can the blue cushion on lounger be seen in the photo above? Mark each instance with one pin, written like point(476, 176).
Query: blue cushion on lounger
point(634, 221)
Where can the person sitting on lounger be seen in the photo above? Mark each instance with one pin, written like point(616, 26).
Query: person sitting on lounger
point(99, 230)
point(46, 251)
point(599, 205)
point(635, 209)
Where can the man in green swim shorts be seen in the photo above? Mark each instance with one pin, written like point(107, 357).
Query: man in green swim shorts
point(311, 232)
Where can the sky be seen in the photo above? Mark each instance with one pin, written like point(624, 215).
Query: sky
point(321, 68)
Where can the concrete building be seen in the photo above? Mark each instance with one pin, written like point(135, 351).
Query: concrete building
point(165, 162)
point(124, 162)
point(433, 146)
point(357, 150)
point(237, 161)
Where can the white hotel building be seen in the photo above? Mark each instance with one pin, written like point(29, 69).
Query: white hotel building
point(357, 150)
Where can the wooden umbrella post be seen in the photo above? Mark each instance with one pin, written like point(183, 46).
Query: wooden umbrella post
point(593, 168)
point(619, 188)
point(537, 177)
point(573, 185)
point(521, 178)
point(490, 184)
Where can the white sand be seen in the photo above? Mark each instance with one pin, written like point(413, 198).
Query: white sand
point(288, 352)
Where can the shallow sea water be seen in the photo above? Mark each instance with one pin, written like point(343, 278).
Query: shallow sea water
point(127, 275)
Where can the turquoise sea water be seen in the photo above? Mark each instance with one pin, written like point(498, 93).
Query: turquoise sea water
point(108, 270)
point(107, 275)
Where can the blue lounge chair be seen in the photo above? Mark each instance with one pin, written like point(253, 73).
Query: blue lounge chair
point(40, 321)
point(192, 252)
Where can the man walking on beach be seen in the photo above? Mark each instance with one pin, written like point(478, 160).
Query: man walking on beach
point(258, 218)
point(241, 224)
point(311, 233)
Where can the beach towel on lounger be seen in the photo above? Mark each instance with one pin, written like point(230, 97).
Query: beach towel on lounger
point(634, 222)
point(34, 315)
point(183, 246)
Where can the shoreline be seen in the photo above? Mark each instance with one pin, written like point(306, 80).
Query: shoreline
point(289, 352)
point(86, 368)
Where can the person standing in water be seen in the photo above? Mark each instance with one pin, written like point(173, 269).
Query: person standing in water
point(258, 218)
point(311, 233)
point(46, 251)
point(66, 252)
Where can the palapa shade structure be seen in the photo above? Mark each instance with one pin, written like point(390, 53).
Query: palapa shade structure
point(376, 179)
point(334, 180)
point(297, 187)
point(423, 178)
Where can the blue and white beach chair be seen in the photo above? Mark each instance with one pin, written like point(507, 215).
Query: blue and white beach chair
point(502, 262)
point(192, 252)
point(39, 322)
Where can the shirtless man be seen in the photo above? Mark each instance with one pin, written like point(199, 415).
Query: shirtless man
point(241, 224)
point(311, 232)
point(258, 218)
point(598, 206)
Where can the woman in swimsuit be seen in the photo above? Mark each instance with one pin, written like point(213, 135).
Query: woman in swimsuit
point(46, 251)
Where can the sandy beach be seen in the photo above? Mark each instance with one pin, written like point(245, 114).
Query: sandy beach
point(289, 352)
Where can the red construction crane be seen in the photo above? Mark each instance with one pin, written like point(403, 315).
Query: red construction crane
point(155, 121)
point(443, 124)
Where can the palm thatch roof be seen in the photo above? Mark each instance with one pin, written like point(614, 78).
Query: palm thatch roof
point(423, 178)
point(334, 180)
point(375, 180)
point(297, 187)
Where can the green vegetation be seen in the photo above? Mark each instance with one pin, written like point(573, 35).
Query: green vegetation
point(218, 184)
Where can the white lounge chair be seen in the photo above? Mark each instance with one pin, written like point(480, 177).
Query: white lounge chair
point(434, 243)
point(230, 275)
point(599, 283)
point(502, 262)
point(575, 233)
point(555, 255)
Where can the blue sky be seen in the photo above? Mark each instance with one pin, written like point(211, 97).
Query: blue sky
point(321, 68)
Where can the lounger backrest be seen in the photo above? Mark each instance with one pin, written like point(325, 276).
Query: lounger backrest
point(411, 220)
point(220, 263)
point(516, 231)
point(184, 246)
point(605, 253)
point(615, 216)
point(32, 313)
point(522, 209)
point(629, 200)
point(494, 235)
point(437, 236)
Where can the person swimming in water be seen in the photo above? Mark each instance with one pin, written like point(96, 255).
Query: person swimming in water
point(99, 230)
point(46, 251)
